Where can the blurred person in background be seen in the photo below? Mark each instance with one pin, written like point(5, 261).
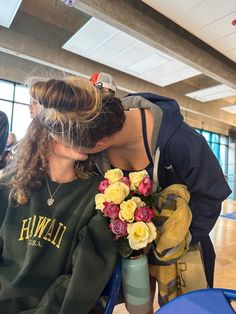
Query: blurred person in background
point(8, 152)
point(34, 108)
point(11, 141)
point(4, 128)
point(104, 82)
point(34, 105)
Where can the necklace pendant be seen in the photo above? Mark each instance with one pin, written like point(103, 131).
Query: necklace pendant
point(50, 201)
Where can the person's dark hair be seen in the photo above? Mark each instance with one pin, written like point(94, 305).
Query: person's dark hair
point(110, 119)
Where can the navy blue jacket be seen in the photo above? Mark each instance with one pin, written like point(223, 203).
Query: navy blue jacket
point(185, 157)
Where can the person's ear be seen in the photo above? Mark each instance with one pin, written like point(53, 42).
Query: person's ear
point(102, 142)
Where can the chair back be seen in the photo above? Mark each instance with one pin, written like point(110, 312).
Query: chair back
point(205, 301)
point(111, 291)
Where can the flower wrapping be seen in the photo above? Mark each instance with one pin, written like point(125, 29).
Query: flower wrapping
point(130, 205)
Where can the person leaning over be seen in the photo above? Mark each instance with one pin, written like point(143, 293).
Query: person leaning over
point(56, 251)
point(147, 131)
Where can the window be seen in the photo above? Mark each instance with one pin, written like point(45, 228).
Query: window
point(22, 94)
point(6, 90)
point(20, 113)
point(14, 101)
point(219, 144)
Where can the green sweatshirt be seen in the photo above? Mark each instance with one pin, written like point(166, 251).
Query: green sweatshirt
point(54, 259)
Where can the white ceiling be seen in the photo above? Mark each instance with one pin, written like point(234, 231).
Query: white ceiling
point(106, 44)
point(209, 20)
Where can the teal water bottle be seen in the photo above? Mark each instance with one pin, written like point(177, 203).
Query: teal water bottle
point(136, 284)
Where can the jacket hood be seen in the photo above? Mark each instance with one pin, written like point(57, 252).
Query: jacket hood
point(167, 115)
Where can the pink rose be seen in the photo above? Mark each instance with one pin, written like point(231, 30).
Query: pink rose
point(118, 227)
point(145, 187)
point(126, 181)
point(103, 185)
point(111, 210)
point(144, 214)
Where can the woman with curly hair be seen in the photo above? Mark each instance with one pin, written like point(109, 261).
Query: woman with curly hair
point(56, 251)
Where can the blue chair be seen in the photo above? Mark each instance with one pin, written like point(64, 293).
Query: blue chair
point(205, 301)
point(111, 291)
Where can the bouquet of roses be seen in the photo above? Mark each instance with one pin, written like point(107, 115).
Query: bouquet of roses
point(128, 202)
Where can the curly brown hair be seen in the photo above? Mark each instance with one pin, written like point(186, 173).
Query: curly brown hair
point(69, 102)
point(30, 162)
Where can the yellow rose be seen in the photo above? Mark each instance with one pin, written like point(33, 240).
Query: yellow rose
point(99, 200)
point(127, 209)
point(116, 192)
point(140, 234)
point(152, 232)
point(114, 175)
point(138, 201)
point(136, 178)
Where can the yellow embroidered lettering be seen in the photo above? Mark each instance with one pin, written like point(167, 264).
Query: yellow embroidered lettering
point(48, 235)
point(34, 243)
point(57, 233)
point(33, 224)
point(41, 226)
point(25, 228)
point(59, 242)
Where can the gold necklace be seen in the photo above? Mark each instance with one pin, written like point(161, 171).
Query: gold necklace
point(51, 200)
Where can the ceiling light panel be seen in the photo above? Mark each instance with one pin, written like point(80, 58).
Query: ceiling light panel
point(231, 109)
point(8, 11)
point(212, 93)
point(148, 64)
point(133, 55)
point(169, 73)
point(103, 43)
point(89, 37)
point(113, 47)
